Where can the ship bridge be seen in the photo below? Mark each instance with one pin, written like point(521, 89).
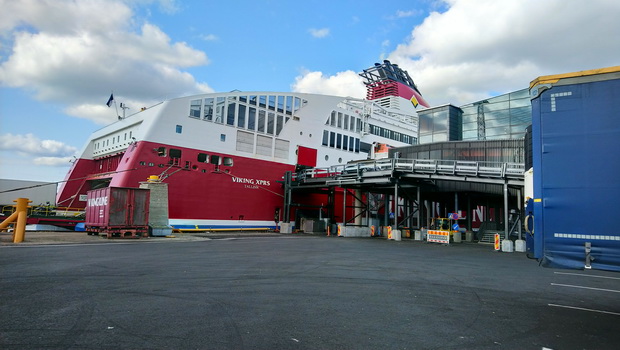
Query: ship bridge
point(402, 183)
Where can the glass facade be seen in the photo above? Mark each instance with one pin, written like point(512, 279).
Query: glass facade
point(511, 151)
point(498, 118)
point(438, 124)
point(503, 117)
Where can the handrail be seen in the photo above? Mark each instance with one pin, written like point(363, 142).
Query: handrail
point(419, 166)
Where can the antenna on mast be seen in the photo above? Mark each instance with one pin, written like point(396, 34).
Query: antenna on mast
point(124, 107)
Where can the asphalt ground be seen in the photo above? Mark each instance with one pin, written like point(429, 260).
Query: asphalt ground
point(239, 291)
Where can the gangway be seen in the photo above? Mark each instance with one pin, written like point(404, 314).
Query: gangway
point(382, 170)
point(389, 175)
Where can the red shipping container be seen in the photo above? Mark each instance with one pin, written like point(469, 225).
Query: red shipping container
point(118, 211)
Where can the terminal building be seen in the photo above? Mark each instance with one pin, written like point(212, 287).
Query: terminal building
point(497, 118)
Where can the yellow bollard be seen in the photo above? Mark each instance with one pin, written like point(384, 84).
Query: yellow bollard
point(20, 228)
point(21, 208)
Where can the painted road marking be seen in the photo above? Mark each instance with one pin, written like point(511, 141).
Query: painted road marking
point(584, 287)
point(584, 309)
point(583, 275)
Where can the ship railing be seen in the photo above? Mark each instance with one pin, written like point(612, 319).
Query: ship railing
point(419, 166)
point(46, 210)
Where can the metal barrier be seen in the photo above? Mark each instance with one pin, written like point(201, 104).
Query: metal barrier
point(419, 166)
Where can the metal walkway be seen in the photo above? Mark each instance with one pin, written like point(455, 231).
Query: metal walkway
point(384, 170)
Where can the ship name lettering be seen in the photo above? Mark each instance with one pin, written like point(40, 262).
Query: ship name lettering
point(244, 180)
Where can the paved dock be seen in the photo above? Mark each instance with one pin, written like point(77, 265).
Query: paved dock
point(296, 292)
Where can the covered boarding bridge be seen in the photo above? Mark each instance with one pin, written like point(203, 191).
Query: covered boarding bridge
point(482, 181)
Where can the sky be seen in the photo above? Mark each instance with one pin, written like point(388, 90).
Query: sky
point(61, 59)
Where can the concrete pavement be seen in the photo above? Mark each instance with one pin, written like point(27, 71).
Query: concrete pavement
point(297, 292)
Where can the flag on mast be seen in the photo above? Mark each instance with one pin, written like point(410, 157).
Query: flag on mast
point(109, 103)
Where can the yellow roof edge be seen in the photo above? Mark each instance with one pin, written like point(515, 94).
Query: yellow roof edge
point(551, 79)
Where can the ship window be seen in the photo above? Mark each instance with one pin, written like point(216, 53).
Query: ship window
point(281, 104)
point(325, 137)
point(332, 139)
point(219, 110)
point(243, 99)
point(289, 105)
point(151, 164)
point(270, 121)
point(280, 124)
point(332, 120)
point(338, 141)
point(223, 137)
point(179, 129)
point(253, 100)
point(262, 101)
point(252, 118)
point(142, 163)
point(272, 103)
point(130, 134)
point(175, 153)
point(161, 151)
point(215, 160)
point(340, 120)
point(297, 104)
point(241, 118)
point(352, 125)
point(230, 118)
point(203, 158)
point(346, 122)
point(345, 142)
point(351, 144)
point(125, 137)
point(194, 108)
point(261, 120)
point(228, 161)
point(208, 109)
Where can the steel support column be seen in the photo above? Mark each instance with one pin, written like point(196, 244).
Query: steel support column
point(506, 226)
point(420, 208)
point(395, 206)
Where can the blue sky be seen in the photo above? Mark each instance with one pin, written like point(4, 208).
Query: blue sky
point(60, 59)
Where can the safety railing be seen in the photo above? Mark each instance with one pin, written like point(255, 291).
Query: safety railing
point(418, 166)
point(45, 210)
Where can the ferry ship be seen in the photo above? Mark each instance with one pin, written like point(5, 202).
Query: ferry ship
point(223, 154)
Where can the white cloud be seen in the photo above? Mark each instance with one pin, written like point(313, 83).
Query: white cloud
point(481, 48)
point(347, 84)
point(169, 6)
point(75, 52)
point(53, 161)
point(402, 14)
point(209, 37)
point(319, 33)
point(31, 145)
